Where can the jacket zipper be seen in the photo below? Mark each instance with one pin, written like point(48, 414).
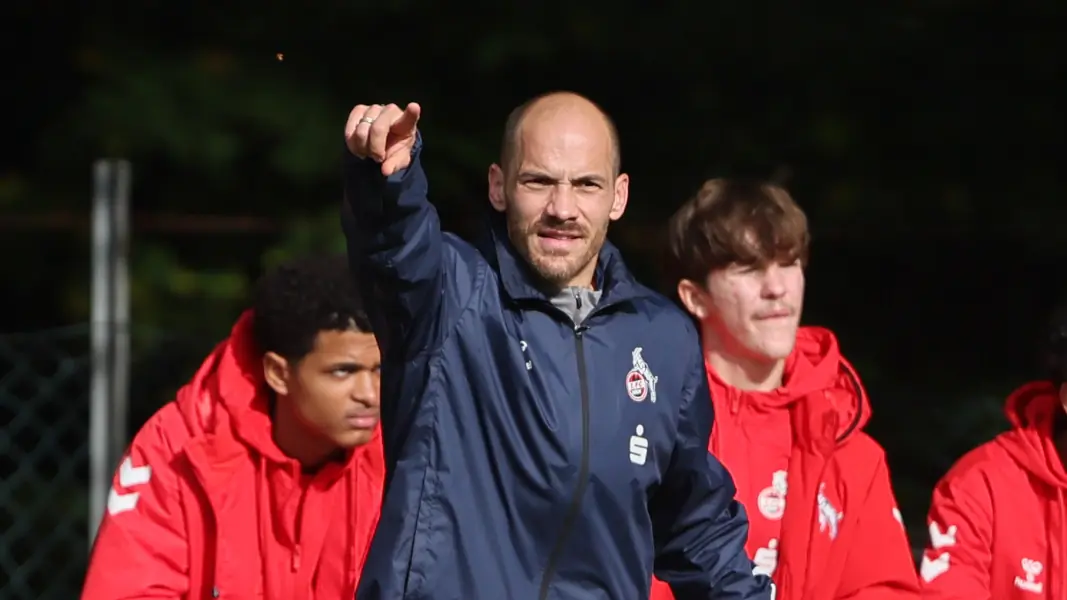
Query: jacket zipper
point(583, 469)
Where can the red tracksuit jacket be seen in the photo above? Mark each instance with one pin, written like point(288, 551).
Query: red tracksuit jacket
point(824, 521)
point(205, 505)
point(998, 521)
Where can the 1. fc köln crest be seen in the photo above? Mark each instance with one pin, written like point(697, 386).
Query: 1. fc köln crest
point(771, 500)
point(640, 382)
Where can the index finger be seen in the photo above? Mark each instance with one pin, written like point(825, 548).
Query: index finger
point(408, 119)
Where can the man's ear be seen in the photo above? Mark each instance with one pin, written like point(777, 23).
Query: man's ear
point(622, 197)
point(692, 298)
point(497, 197)
point(276, 373)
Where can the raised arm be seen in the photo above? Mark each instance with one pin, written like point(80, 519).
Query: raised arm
point(700, 529)
point(413, 284)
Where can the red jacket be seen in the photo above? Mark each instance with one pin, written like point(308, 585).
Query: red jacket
point(205, 505)
point(998, 521)
point(839, 535)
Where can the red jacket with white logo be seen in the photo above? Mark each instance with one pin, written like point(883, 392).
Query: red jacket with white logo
point(823, 519)
point(205, 505)
point(998, 520)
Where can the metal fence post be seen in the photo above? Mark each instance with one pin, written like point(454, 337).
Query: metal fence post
point(110, 330)
point(120, 374)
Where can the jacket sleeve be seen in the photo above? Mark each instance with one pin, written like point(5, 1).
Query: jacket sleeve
point(880, 564)
point(957, 560)
point(412, 282)
point(141, 550)
point(700, 530)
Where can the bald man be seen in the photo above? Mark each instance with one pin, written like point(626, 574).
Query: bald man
point(547, 418)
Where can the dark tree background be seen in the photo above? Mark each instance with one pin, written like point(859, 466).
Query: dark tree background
point(925, 140)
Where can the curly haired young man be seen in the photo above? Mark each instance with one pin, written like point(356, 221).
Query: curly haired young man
point(263, 478)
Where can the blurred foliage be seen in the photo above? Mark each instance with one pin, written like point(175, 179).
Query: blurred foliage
point(318, 234)
point(921, 139)
point(204, 113)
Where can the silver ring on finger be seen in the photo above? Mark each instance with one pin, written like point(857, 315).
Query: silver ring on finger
point(372, 114)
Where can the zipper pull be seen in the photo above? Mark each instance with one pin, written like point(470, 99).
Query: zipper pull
point(296, 558)
point(577, 298)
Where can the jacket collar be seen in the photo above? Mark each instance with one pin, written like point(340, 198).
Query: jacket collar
point(520, 283)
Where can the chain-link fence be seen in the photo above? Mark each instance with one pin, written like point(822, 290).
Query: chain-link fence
point(44, 447)
point(44, 468)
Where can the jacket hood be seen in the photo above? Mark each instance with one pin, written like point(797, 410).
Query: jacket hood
point(1032, 410)
point(228, 396)
point(815, 373)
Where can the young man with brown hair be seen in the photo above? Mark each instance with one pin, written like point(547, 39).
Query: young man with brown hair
point(789, 408)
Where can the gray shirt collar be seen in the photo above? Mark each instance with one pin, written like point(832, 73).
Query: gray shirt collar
point(576, 302)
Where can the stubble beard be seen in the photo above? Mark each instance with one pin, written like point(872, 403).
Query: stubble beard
point(555, 270)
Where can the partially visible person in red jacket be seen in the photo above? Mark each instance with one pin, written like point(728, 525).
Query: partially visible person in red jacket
point(789, 409)
point(263, 479)
point(998, 520)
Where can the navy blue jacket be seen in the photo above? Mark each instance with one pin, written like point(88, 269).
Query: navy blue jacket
point(528, 458)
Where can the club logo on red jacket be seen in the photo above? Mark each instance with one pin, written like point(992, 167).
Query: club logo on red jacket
point(771, 499)
point(829, 516)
